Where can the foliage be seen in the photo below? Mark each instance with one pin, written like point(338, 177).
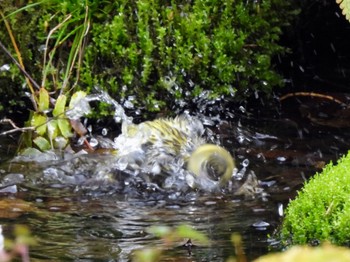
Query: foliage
point(324, 253)
point(11, 250)
point(164, 52)
point(169, 237)
point(345, 6)
point(321, 211)
point(48, 119)
point(153, 53)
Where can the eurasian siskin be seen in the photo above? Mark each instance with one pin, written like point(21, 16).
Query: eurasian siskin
point(166, 146)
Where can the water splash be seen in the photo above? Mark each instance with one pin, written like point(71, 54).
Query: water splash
point(119, 112)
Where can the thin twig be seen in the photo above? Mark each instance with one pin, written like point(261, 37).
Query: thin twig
point(15, 127)
point(312, 94)
point(19, 66)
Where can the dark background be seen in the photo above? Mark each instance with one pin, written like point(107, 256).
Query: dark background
point(319, 41)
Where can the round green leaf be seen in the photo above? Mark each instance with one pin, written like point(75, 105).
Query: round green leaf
point(39, 121)
point(65, 127)
point(42, 143)
point(44, 100)
point(60, 106)
point(76, 97)
point(52, 129)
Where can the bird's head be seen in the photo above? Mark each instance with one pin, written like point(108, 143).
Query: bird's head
point(213, 162)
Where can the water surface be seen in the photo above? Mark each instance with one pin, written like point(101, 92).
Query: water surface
point(106, 223)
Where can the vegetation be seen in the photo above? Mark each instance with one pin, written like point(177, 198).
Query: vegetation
point(151, 53)
point(321, 210)
point(345, 6)
point(48, 124)
point(324, 253)
point(169, 237)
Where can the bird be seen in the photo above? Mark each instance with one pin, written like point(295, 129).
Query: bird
point(165, 146)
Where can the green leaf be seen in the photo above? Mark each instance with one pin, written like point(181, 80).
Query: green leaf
point(52, 129)
point(147, 255)
point(44, 100)
point(65, 127)
point(160, 231)
point(39, 121)
point(76, 97)
point(185, 231)
point(345, 6)
point(60, 106)
point(42, 143)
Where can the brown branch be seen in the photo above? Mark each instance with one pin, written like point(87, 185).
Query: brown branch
point(19, 64)
point(15, 127)
point(312, 94)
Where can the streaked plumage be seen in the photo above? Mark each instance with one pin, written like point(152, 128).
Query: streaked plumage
point(164, 146)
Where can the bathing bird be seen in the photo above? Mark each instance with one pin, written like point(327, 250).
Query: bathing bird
point(169, 145)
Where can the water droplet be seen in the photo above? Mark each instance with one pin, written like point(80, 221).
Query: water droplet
point(169, 181)
point(81, 141)
point(281, 158)
point(280, 209)
point(190, 180)
point(79, 109)
point(242, 109)
point(5, 67)
point(93, 142)
point(245, 163)
point(332, 47)
point(104, 131)
point(156, 169)
point(42, 48)
point(240, 139)
point(122, 163)
point(128, 104)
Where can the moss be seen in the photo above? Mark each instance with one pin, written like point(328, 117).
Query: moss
point(321, 211)
point(132, 47)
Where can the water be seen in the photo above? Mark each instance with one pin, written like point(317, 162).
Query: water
point(76, 218)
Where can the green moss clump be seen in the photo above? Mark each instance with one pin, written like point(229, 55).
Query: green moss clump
point(160, 54)
point(321, 211)
point(163, 52)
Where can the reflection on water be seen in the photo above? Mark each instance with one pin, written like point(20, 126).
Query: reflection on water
point(106, 222)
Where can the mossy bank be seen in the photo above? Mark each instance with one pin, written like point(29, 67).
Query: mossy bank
point(150, 55)
point(321, 211)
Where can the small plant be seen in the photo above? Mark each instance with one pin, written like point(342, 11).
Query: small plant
point(19, 247)
point(169, 237)
point(161, 55)
point(50, 122)
point(321, 211)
